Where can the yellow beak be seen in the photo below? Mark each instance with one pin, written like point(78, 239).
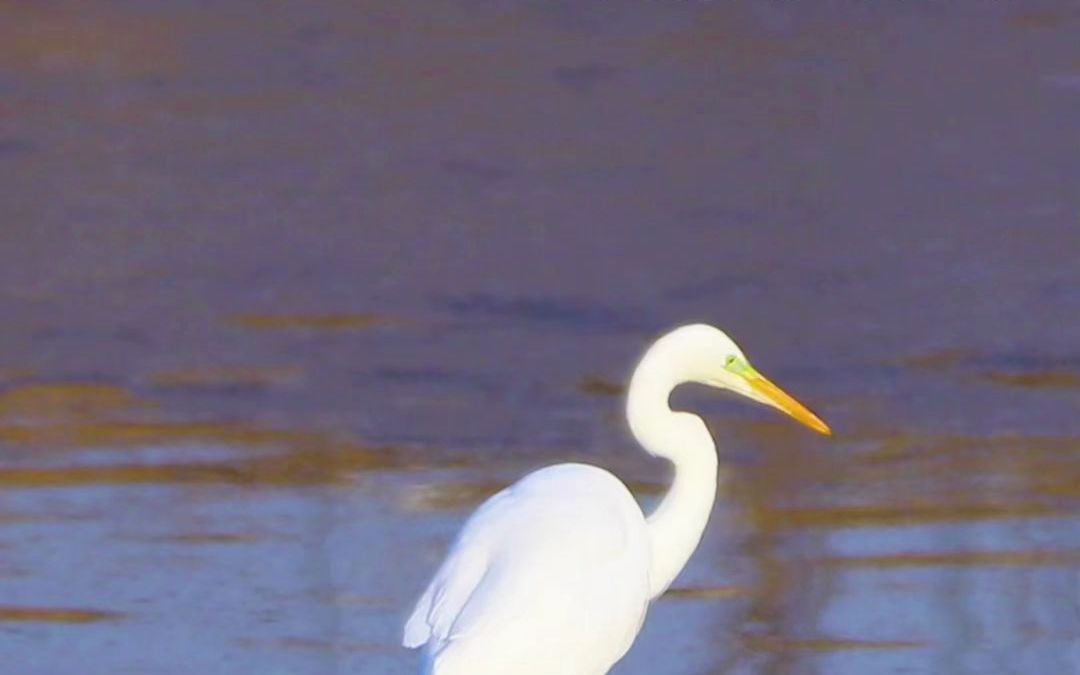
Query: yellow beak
point(782, 401)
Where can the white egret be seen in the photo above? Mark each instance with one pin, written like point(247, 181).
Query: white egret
point(553, 575)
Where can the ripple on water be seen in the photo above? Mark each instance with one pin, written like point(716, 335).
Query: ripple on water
point(308, 322)
point(69, 434)
point(1025, 371)
point(56, 615)
point(272, 457)
point(707, 593)
point(229, 378)
point(52, 401)
point(961, 559)
point(87, 39)
point(598, 386)
point(789, 644)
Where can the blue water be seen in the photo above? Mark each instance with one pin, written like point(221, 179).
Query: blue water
point(289, 289)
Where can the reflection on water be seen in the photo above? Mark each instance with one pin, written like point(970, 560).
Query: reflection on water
point(54, 615)
point(228, 377)
point(707, 593)
point(287, 293)
point(892, 545)
point(1038, 380)
point(1016, 370)
point(308, 322)
point(62, 401)
point(769, 644)
point(600, 387)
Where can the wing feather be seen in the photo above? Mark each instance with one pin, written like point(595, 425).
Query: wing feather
point(555, 563)
point(453, 584)
point(444, 598)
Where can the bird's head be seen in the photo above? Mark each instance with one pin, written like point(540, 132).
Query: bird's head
point(706, 355)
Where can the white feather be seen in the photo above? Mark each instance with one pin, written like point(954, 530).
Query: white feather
point(494, 607)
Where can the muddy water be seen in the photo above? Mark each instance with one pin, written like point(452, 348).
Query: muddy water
point(288, 289)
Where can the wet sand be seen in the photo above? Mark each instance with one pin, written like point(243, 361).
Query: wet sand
point(287, 290)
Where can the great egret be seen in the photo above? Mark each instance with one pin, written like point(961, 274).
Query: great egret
point(553, 575)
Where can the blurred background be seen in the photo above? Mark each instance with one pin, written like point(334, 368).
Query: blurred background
point(288, 288)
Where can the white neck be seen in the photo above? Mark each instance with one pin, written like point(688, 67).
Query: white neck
point(677, 524)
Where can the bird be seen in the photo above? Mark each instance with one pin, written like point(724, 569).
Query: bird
point(554, 574)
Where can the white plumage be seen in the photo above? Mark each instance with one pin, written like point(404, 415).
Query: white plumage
point(553, 575)
point(573, 522)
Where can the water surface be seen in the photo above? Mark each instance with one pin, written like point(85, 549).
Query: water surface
point(288, 289)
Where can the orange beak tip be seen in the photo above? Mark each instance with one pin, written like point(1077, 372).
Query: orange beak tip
point(780, 399)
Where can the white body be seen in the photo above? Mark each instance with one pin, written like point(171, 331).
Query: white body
point(553, 575)
point(492, 609)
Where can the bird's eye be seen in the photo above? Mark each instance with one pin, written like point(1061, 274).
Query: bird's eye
point(730, 360)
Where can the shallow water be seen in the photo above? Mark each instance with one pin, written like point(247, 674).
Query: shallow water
point(288, 289)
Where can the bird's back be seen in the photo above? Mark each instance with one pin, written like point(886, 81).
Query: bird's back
point(548, 576)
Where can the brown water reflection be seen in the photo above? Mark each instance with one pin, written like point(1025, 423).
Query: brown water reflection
point(273, 457)
point(228, 377)
point(988, 559)
point(73, 36)
point(54, 615)
point(917, 516)
point(1015, 370)
point(707, 593)
point(64, 401)
point(308, 322)
point(1043, 380)
point(599, 387)
point(767, 644)
point(287, 292)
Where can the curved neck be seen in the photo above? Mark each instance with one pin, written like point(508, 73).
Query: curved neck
point(677, 524)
